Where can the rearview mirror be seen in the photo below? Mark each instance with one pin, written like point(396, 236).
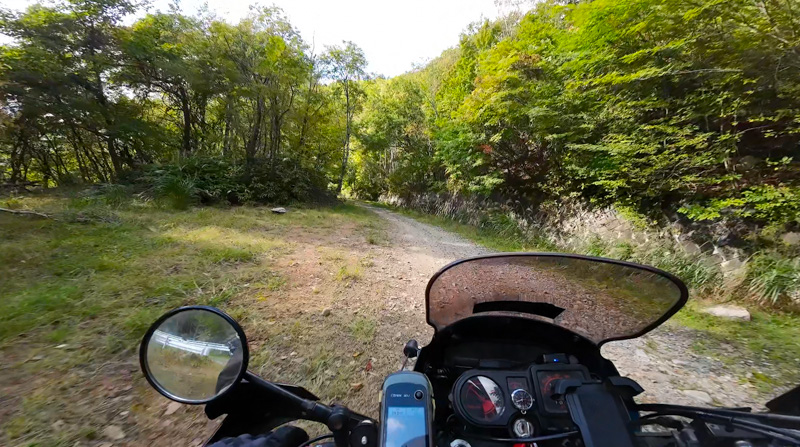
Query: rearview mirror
point(194, 354)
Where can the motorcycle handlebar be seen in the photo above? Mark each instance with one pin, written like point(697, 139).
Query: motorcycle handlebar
point(313, 411)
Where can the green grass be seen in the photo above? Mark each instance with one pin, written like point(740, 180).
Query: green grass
point(97, 275)
point(349, 273)
point(769, 338)
point(363, 329)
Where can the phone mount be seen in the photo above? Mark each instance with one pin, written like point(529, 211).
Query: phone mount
point(598, 410)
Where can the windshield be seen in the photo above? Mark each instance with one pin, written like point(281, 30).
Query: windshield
point(600, 299)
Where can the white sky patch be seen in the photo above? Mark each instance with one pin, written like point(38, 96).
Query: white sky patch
point(395, 35)
point(394, 425)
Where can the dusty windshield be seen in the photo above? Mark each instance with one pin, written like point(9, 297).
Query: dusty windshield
point(599, 300)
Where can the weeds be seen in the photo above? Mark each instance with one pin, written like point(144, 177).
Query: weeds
point(363, 329)
point(348, 273)
point(774, 278)
point(276, 282)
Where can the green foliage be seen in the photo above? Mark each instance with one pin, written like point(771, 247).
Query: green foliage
point(213, 180)
point(186, 100)
point(768, 203)
point(774, 278)
point(652, 106)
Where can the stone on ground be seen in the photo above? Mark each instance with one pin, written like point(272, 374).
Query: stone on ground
point(730, 312)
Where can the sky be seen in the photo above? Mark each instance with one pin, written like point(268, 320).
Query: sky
point(395, 35)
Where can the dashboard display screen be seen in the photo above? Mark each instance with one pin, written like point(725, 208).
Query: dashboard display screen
point(547, 381)
point(405, 427)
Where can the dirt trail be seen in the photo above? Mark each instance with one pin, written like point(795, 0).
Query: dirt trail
point(662, 361)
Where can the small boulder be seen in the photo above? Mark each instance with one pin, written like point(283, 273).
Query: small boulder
point(172, 408)
point(114, 432)
point(731, 266)
point(730, 312)
point(356, 386)
point(279, 210)
point(326, 312)
point(700, 396)
point(791, 238)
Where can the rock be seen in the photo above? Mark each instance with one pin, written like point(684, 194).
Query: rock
point(690, 247)
point(791, 238)
point(700, 396)
point(730, 266)
point(356, 386)
point(749, 162)
point(326, 312)
point(114, 432)
point(279, 210)
point(730, 312)
point(172, 408)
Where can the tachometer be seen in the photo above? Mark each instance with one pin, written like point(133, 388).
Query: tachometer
point(547, 381)
point(482, 399)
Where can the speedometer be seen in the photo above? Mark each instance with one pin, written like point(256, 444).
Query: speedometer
point(482, 399)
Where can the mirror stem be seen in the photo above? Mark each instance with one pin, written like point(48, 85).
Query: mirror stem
point(312, 410)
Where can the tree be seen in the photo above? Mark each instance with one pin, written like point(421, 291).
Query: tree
point(346, 65)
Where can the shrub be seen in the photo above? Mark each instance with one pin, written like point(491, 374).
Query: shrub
point(114, 194)
point(774, 278)
point(210, 180)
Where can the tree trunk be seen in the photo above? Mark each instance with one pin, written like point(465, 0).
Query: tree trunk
point(255, 135)
point(275, 140)
point(186, 146)
point(226, 139)
point(346, 151)
point(116, 161)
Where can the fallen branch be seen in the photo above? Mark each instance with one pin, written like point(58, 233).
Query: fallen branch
point(26, 213)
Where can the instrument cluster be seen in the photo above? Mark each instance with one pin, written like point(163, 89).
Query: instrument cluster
point(523, 401)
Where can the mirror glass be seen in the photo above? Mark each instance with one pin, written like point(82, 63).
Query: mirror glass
point(195, 355)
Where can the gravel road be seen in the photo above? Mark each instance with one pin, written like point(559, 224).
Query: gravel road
point(661, 361)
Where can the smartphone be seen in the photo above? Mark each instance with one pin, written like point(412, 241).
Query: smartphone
point(406, 411)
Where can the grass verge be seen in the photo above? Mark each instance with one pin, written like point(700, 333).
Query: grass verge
point(78, 291)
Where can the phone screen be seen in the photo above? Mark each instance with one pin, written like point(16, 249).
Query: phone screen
point(405, 427)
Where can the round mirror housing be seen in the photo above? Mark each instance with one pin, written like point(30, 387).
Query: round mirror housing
point(194, 354)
